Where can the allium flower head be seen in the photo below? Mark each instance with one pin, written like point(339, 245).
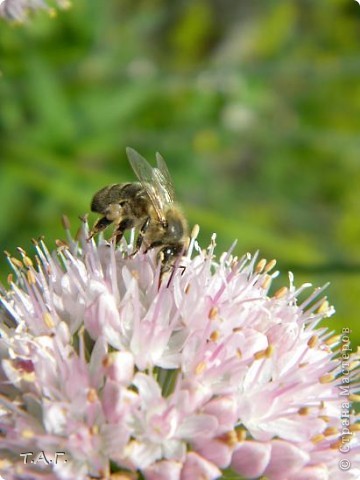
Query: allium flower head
point(108, 372)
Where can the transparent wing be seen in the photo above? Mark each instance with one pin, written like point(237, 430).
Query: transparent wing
point(167, 182)
point(153, 181)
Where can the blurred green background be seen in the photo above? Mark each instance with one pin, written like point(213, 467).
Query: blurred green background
point(255, 106)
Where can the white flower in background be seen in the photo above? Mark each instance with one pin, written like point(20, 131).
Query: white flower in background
point(130, 377)
point(18, 10)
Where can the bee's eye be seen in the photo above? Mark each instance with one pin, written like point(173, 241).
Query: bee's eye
point(167, 253)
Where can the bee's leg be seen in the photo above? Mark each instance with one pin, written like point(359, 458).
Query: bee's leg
point(141, 235)
point(125, 224)
point(99, 226)
point(166, 268)
point(157, 243)
point(169, 257)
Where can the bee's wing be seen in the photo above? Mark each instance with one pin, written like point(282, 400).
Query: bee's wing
point(153, 181)
point(166, 177)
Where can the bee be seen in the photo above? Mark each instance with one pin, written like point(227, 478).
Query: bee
point(148, 206)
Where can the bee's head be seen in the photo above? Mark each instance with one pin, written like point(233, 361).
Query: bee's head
point(168, 254)
point(174, 226)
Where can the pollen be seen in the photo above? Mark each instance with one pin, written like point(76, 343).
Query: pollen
point(317, 438)
point(94, 430)
point(16, 262)
point(27, 261)
point(355, 427)
point(213, 313)
point(27, 434)
point(304, 411)
point(215, 335)
point(324, 307)
point(313, 341)
point(303, 364)
point(260, 266)
point(240, 434)
point(270, 266)
point(330, 431)
point(267, 353)
point(200, 367)
point(107, 361)
point(5, 463)
point(229, 438)
point(327, 378)
point(92, 396)
point(353, 397)
point(259, 355)
point(281, 292)
point(336, 445)
point(49, 322)
point(61, 244)
point(333, 340)
point(31, 278)
point(266, 282)
point(122, 476)
point(135, 274)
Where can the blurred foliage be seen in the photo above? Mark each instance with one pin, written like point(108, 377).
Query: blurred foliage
point(255, 106)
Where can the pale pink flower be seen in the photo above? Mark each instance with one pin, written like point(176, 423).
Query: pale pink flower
point(18, 10)
point(172, 380)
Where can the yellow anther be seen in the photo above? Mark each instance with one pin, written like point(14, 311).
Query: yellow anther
point(92, 396)
point(215, 335)
point(260, 265)
point(213, 313)
point(266, 282)
point(270, 266)
point(31, 278)
point(201, 366)
point(49, 322)
point(318, 438)
point(304, 411)
point(313, 341)
point(327, 378)
point(281, 292)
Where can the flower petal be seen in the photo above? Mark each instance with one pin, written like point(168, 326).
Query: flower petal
point(165, 470)
point(197, 467)
point(251, 458)
point(286, 459)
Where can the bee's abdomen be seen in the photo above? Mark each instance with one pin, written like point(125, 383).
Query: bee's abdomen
point(115, 193)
